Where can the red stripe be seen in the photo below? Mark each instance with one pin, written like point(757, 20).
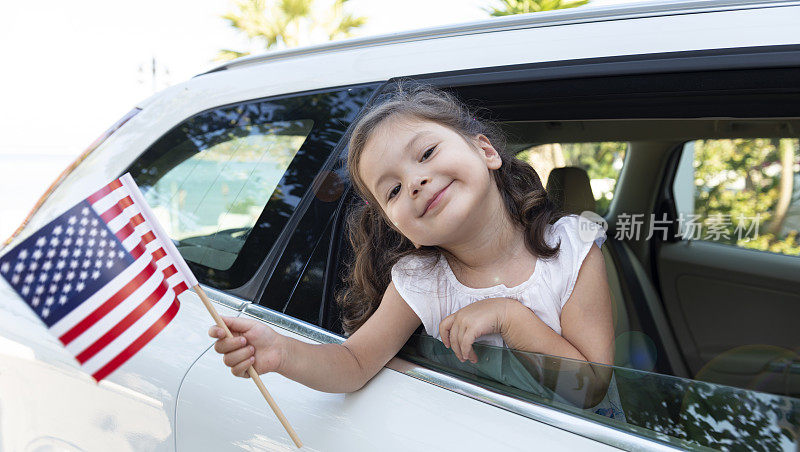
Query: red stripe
point(148, 237)
point(158, 254)
point(96, 196)
point(137, 220)
point(116, 209)
point(180, 288)
point(124, 324)
point(124, 232)
point(138, 250)
point(109, 304)
point(169, 271)
point(140, 342)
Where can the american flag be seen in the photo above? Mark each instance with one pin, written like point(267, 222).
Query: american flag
point(103, 276)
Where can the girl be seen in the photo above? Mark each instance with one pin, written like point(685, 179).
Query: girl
point(452, 234)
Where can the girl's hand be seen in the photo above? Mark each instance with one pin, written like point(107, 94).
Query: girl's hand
point(253, 343)
point(460, 329)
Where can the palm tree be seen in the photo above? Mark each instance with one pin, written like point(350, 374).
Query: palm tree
point(510, 7)
point(289, 23)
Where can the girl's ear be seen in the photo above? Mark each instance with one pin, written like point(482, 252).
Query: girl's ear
point(488, 152)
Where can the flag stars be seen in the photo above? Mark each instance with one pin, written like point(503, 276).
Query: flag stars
point(86, 263)
point(15, 279)
point(25, 290)
point(103, 233)
point(23, 254)
point(37, 254)
point(45, 312)
point(39, 290)
point(84, 275)
point(91, 242)
point(72, 220)
point(70, 230)
point(109, 263)
point(35, 301)
point(92, 233)
point(95, 274)
point(19, 267)
point(76, 253)
point(42, 277)
point(84, 222)
point(67, 241)
point(49, 301)
point(58, 230)
point(80, 286)
point(85, 211)
point(61, 264)
point(33, 266)
point(53, 288)
point(47, 265)
point(94, 221)
point(67, 288)
point(73, 263)
point(29, 278)
point(64, 252)
point(54, 241)
point(89, 252)
point(101, 253)
point(120, 254)
point(79, 241)
point(57, 277)
point(41, 242)
point(70, 276)
point(5, 267)
point(51, 253)
point(62, 300)
point(98, 263)
point(82, 231)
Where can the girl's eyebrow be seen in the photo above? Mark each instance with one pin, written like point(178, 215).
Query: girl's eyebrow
point(408, 148)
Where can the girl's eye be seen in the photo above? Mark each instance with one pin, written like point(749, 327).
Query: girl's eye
point(427, 153)
point(394, 191)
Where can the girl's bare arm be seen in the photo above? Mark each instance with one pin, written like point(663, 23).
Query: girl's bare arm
point(324, 367)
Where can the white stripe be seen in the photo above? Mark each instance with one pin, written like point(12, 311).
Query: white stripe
point(99, 297)
point(130, 335)
point(108, 321)
point(105, 203)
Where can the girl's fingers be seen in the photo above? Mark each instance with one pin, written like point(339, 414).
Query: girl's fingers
point(444, 329)
point(466, 344)
point(237, 356)
point(230, 344)
point(455, 335)
point(240, 369)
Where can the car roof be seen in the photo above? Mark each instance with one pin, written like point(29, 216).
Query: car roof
point(513, 22)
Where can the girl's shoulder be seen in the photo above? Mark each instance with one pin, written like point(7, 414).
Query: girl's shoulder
point(416, 267)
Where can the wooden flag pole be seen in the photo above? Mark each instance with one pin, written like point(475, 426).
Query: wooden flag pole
point(251, 371)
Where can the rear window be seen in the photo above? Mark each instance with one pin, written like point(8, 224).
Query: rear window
point(602, 161)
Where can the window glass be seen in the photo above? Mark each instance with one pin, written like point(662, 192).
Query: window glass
point(741, 192)
point(601, 160)
point(684, 413)
point(225, 182)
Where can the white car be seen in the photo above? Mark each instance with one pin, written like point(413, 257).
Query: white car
point(242, 165)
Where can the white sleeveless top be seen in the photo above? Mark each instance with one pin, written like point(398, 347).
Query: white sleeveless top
point(431, 289)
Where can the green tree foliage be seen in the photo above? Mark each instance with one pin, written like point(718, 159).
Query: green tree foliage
point(746, 181)
point(510, 7)
point(289, 23)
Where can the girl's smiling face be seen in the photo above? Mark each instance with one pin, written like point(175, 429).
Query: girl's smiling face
point(430, 182)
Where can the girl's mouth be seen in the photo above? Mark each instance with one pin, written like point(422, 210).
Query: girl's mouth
point(433, 202)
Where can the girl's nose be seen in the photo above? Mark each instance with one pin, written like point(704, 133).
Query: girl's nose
point(416, 187)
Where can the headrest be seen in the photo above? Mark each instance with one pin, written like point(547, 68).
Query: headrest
point(569, 189)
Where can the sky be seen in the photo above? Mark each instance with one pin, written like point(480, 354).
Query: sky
point(71, 69)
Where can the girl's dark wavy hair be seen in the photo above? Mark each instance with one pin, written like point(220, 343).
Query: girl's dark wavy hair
point(377, 246)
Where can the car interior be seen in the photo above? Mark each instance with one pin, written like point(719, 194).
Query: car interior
point(689, 308)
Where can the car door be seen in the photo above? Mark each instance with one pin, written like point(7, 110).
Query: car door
point(730, 280)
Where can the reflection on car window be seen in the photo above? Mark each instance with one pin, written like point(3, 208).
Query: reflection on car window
point(681, 412)
point(224, 188)
point(225, 182)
